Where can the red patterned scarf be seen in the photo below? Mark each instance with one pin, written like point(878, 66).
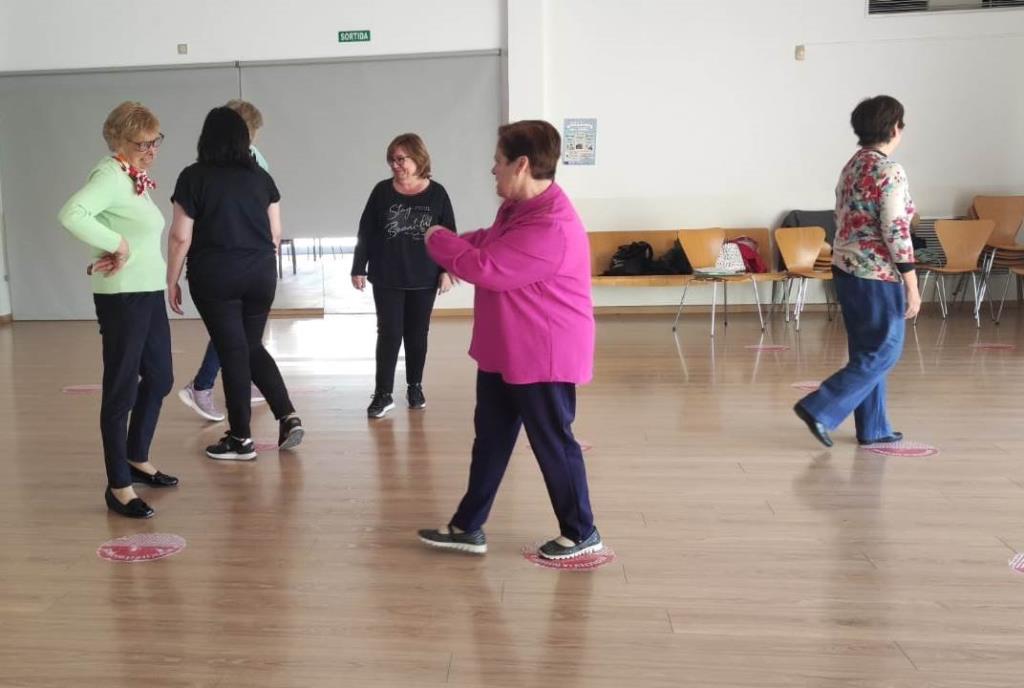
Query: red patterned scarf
point(139, 177)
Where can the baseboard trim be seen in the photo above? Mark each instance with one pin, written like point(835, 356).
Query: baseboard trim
point(305, 313)
point(6, 319)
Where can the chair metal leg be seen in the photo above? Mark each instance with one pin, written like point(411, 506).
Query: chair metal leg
point(977, 304)
point(679, 312)
point(714, 301)
point(1002, 301)
point(801, 295)
point(757, 300)
point(725, 291)
point(942, 295)
point(785, 296)
point(924, 288)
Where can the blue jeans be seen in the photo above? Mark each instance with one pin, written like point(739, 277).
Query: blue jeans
point(206, 378)
point(873, 312)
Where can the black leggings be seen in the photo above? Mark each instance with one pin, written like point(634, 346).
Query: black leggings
point(402, 314)
point(234, 296)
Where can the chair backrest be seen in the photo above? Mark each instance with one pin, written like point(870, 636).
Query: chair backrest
point(963, 241)
point(603, 245)
point(799, 246)
point(702, 246)
point(1006, 211)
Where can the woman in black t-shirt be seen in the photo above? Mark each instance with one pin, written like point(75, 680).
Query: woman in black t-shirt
point(227, 219)
point(405, 279)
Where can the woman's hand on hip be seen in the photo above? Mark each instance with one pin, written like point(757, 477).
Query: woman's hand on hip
point(174, 298)
point(359, 282)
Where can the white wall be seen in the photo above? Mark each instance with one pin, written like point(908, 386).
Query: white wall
point(76, 34)
point(705, 118)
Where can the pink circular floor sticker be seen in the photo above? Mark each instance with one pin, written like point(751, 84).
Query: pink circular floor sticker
point(1017, 563)
point(767, 347)
point(82, 389)
point(807, 385)
point(993, 346)
point(902, 448)
point(141, 547)
point(584, 562)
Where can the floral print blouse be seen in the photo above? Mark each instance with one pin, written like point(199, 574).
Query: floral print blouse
point(873, 213)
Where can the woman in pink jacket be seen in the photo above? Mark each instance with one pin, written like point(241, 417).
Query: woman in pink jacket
point(533, 339)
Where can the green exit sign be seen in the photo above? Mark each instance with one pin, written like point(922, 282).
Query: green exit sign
point(353, 36)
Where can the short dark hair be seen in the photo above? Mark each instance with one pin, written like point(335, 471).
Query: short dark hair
point(874, 119)
point(537, 140)
point(224, 141)
point(413, 145)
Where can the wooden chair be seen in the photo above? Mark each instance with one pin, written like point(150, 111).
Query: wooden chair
point(1008, 213)
point(702, 247)
point(800, 248)
point(963, 242)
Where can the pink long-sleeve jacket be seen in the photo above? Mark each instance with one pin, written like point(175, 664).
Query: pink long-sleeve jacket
point(533, 318)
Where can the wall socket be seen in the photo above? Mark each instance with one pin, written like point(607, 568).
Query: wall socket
point(800, 53)
point(183, 48)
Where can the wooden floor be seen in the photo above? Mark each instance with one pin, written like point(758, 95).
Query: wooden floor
point(747, 555)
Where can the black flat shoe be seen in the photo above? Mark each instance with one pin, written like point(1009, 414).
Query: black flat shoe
point(816, 428)
point(894, 437)
point(158, 479)
point(133, 509)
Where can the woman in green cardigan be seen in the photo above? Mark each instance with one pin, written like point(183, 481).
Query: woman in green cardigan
point(114, 214)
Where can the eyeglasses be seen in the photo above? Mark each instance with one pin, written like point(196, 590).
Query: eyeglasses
point(143, 146)
point(398, 159)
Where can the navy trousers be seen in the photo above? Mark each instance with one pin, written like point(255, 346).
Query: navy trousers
point(873, 312)
point(137, 375)
point(206, 377)
point(547, 410)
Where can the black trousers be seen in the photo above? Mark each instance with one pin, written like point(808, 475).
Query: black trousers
point(547, 410)
point(402, 315)
point(233, 295)
point(137, 375)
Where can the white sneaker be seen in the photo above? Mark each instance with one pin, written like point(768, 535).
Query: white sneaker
point(201, 401)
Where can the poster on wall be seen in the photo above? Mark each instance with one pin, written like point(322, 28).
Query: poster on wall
point(579, 138)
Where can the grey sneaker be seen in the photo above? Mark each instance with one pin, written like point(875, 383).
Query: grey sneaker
point(564, 548)
point(444, 538)
point(201, 401)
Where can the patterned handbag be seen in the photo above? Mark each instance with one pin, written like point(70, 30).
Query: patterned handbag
point(730, 259)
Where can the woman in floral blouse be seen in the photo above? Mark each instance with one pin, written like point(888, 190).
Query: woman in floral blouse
point(873, 270)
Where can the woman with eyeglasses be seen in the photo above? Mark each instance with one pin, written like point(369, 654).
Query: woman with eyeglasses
point(873, 273)
point(405, 279)
point(115, 215)
point(227, 221)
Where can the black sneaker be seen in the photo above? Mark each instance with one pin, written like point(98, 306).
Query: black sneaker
point(553, 549)
point(290, 433)
point(416, 398)
point(381, 403)
point(474, 543)
point(232, 449)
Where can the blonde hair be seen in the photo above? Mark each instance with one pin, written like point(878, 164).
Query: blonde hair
point(416, 149)
point(249, 112)
point(128, 121)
